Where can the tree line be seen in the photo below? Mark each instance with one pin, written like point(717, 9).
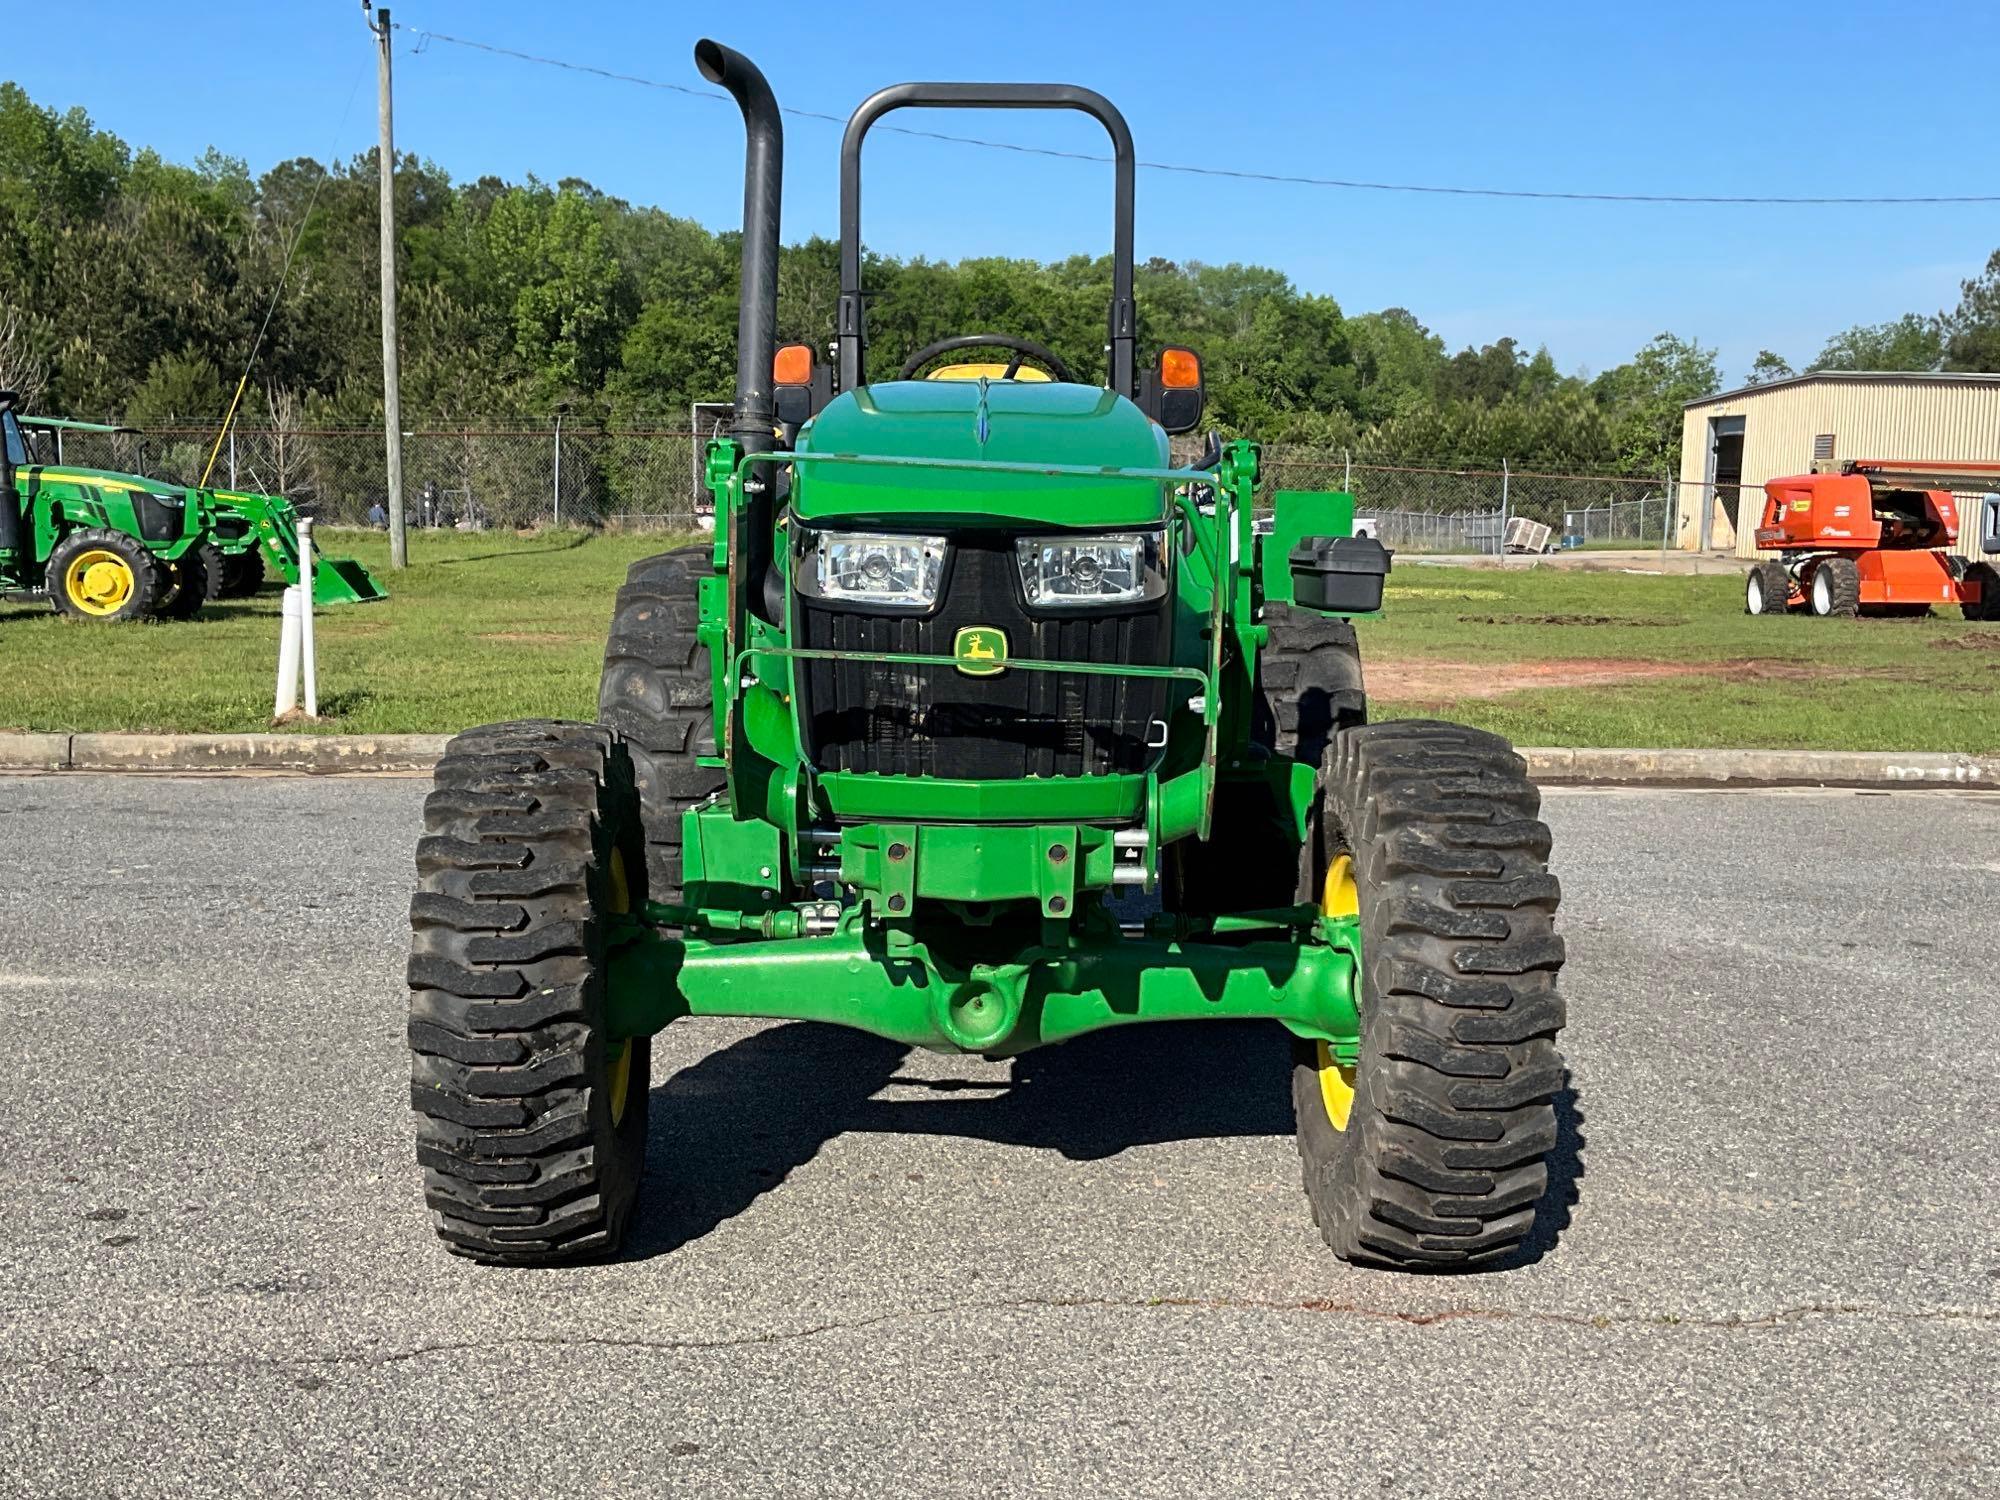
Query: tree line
point(133, 288)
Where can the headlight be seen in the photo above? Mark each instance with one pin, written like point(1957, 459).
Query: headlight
point(878, 568)
point(1076, 571)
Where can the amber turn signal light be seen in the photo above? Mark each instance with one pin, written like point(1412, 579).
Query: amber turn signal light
point(792, 365)
point(1180, 369)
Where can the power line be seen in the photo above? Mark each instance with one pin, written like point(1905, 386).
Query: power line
point(1351, 184)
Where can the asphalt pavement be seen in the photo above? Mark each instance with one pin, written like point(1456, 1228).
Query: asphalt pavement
point(1771, 1265)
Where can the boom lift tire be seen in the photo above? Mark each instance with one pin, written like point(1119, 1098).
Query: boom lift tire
point(1449, 1113)
point(1767, 590)
point(531, 1119)
point(655, 691)
point(1835, 590)
point(98, 574)
point(1988, 607)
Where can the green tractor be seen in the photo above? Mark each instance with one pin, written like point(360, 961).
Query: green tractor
point(980, 726)
point(250, 535)
point(94, 544)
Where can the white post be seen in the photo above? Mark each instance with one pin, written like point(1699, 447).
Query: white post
point(308, 656)
point(232, 457)
point(1347, 471)
point(287, 697)
point(558, 524)
point(1504, 479)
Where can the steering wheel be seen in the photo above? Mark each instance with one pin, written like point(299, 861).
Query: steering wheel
point(1047, 358)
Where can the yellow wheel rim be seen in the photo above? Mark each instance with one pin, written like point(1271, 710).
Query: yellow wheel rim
point(1338, 898)
point(99, 581)
point(618, 901)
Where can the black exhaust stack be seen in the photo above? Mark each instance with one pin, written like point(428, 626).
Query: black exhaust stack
point(763, 179)
point(753, 580)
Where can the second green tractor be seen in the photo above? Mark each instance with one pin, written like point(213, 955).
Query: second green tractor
point(981, 725)
point(106, 545)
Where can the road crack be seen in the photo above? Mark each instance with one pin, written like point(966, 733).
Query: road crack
point(370, 1359)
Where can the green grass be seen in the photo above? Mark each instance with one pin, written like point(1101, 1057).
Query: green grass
point(1790, 682)
point(481, 626)
point(493, 626)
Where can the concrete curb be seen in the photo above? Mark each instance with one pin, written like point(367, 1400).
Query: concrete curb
point(336, 754)
point(308, 754)
point(1845, 768)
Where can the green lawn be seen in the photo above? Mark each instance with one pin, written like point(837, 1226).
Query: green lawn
point(480, 626)
point(496, 626)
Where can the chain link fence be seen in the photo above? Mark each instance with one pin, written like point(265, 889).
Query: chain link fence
point(519, 478)
point(469, 478)
point(1470, 510)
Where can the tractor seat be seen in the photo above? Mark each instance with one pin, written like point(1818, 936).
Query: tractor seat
point(995, 370)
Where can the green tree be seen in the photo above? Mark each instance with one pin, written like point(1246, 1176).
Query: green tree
point(1396, 362)
point(1911, 342)
point(178, 390)
point(1767, 367)
point(1972, 330)
point(1643, 399)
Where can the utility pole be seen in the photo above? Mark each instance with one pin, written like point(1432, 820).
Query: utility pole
point(392, 392)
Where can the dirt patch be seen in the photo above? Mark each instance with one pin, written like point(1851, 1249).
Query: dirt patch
point(1418, 681)
point(1426, 591)
point(532, 637)
point(1642, 620)
point(1979, 640)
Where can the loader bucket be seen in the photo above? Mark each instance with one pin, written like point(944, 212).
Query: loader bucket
point(342, 580)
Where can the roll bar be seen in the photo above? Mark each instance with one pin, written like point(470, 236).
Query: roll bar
point(850, 339)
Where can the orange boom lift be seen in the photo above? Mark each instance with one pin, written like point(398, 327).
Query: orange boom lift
point(1872, 539)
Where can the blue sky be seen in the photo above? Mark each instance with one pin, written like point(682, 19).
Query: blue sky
point(1780, 98)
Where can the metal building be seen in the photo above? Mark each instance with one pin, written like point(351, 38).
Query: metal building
point(1733, 443)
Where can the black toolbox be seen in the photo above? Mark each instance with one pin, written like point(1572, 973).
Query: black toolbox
point(1339, 574)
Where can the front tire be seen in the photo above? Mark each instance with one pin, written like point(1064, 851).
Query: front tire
point(1768, 589)
point(1449, 1107)
point(187, 586)
point(531, 1116)
point(242, 574)
point(1835, 589)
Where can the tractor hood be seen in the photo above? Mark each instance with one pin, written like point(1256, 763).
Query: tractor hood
point(972, 422)
point(105, 479)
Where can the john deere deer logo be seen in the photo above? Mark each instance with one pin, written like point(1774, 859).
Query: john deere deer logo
point(980, 651)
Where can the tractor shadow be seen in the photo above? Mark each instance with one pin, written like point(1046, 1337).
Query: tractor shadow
point(1566, 1169)
point(736, 1124)
point(733, 1126)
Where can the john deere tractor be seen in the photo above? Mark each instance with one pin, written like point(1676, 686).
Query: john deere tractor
point(981, 726)
point(96, 545)
point(248, 535)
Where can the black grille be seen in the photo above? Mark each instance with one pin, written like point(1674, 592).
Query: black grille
point(158, 516)
point(937, 721)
